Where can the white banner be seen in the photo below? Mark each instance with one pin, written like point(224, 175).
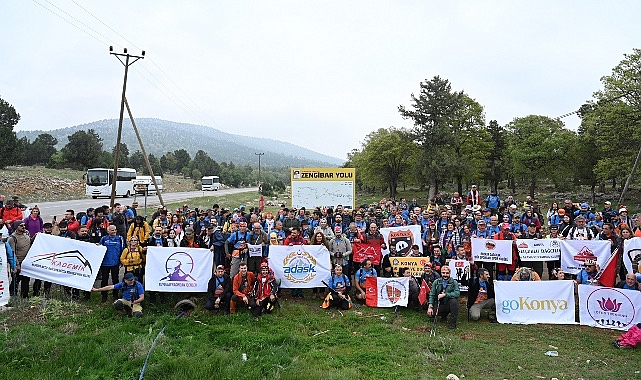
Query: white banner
point(539, 249)
point(4, 275)
point(401, 239)
point(178, 269)
point(255, 250)
point(609, 308)
point(492, 251)
point(575, 252)
point(300, 266)
point(63, 261)
point(460, 271)
point(632, 254)
point(528, 302)
point(387, 292)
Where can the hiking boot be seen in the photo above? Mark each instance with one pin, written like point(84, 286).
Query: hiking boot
point(451, 327)
point(129, 311)
point(617, 344)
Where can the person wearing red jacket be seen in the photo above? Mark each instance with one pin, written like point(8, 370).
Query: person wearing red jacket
point(10, 214)
point(506, 271)
point(242, 287)
point(265, 292)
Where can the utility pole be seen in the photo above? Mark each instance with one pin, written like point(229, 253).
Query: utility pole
point(259, 154)
point(126, 63)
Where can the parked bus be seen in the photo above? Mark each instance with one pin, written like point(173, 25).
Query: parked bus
point(99, 182)
point(210, 183)
point(143, 180)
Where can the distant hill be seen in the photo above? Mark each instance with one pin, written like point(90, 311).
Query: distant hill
point(162, 136)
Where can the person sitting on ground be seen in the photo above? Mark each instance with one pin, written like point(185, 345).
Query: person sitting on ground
point(219, 291)
point(243, 284)
point(525, 274)
point(265, 291)
point(444, 294)
point(629, 283)
point(361, 275)
point(481, 296)
point(133, 294)
point(339, 286)
point(587, 276)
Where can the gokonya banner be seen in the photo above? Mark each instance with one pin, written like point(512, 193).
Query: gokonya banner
point(609, 308)
point(178, 269)
point(575, 252)
point(300, 266)
point(4, 276)
point(63, 261)
point(529, 302)
point(539, 249)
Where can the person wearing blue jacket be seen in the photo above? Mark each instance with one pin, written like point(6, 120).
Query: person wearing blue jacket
point(111, 262)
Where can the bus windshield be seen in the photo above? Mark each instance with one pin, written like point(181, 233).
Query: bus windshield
point(207, 181)
point(97, 177)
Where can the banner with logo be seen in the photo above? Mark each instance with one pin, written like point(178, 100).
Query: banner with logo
point(460, 271)
point(416, 265)
point(401, 239)
point(387, 292)
point(492, 251)
point(4, 275)
point(362, 251)
point(63, 261)
point(528, 302)
point(300, 266)
point(609, 308)
point(255, 250)
point(575, 252)
point(178, 269)
point(539, 249)
point(632, 254)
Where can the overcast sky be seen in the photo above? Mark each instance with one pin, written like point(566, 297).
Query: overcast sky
point(318, 74)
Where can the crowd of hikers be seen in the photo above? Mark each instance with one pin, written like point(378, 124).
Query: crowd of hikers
point(448, 226)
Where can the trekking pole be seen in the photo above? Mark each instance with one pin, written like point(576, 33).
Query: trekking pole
point(433, 329)
point(349, 301)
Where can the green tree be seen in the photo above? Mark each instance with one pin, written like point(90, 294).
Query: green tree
point(8, 120)
point(182, 159)
point(538, 147)
point(41, 149)
point(497, 168)
point(83, 150)
point(123, 160)
point(155, 166)
point(205, 164)
point(137, 160)
point(387, 155)
point(168, 162)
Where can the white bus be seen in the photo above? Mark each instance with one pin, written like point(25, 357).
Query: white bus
point(99, 182)
point(210, 183)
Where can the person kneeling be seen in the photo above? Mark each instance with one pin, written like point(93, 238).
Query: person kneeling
point(481, 296)
point(338, 286)
point(132, 295)
point(265, 291)
point(445, 293)
point(219, 291)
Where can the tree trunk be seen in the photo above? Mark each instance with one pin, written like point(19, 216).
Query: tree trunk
point(432, 188)
point(592, 190)
point(532, 186)
point(459, 184)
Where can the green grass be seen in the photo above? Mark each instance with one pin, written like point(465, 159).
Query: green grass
point(298, 341)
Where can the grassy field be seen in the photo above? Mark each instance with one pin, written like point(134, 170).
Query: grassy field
point(61, 340)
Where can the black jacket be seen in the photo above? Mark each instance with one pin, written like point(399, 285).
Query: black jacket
point(473, 291)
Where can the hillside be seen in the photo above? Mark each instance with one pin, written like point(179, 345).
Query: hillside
point(162, 136)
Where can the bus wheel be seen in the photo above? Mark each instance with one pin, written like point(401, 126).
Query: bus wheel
point(94, 197)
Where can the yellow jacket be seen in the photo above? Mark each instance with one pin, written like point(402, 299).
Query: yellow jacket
point(132, 260)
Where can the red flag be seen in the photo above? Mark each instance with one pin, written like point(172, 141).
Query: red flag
point(371, 291)
point(362, 251)
point(422, 294)
point(608, 275)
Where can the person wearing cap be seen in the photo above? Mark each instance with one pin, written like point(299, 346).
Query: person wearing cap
point(190, 239)
point(608, 212)
point(525, 274)
point(238, 241)
point(219, 291)
point(625, 218)
point(133, 294)
point(265, 291)
point(473, 197)
point(579, 231)
point(340, 249)
point(588, 274)
point(585, 211)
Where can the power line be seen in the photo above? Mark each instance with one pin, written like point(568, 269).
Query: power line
point(71, 23)
point(61, 10)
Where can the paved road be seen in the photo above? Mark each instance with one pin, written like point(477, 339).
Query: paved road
point(49, 209)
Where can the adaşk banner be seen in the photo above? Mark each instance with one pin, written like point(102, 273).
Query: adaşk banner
point(528, 302)
point(300, 266)
point(4, 276)
point(399, 240)
point(608, 308)
point(575, 252)
point(178, 269)
point(387, 292)
point(63, 261)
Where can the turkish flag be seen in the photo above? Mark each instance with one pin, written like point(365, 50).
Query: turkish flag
point(386, 292)
point(423, 293)
point(609, 274)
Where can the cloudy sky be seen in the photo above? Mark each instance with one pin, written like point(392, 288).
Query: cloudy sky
point(319, 74)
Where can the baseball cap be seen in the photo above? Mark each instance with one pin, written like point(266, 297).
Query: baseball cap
point(608, 202)
point(505, 226)
point(129, 276)
point(220, 267)
point(338, 229)
point(561, 211)
point(554, 227)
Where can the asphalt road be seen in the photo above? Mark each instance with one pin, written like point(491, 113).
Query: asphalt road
point(49, 209)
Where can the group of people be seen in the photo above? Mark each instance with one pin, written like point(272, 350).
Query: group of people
point(447, 229)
